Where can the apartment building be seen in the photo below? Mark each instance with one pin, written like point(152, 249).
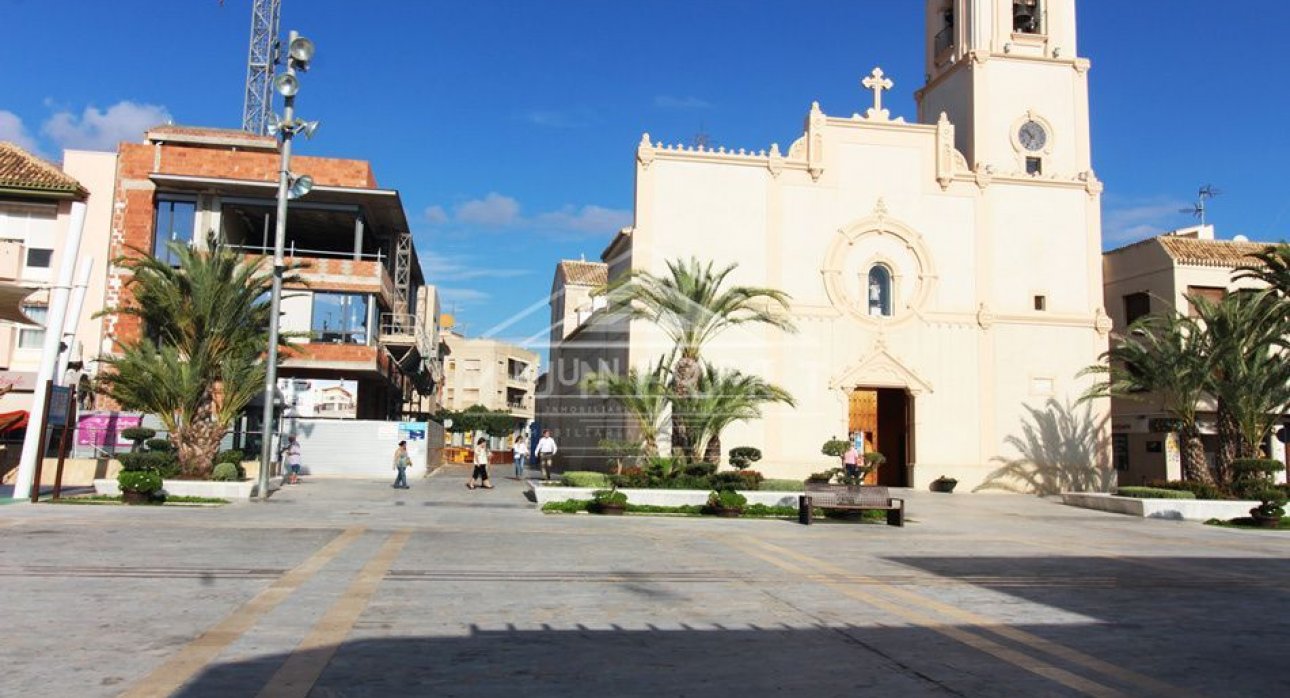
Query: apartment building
point(35, 210)
point(362, 322)
point(491, 373)
point(1158, 275)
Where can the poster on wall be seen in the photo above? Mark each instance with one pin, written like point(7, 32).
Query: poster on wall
point(320, 398)
point(415, 434)
point(104, 429)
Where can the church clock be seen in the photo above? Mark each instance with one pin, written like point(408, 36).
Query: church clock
point(1032, 136)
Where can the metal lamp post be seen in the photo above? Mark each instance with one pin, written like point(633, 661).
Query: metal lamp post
point(299, 51)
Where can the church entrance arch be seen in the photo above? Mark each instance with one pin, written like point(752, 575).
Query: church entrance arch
point(886, 418)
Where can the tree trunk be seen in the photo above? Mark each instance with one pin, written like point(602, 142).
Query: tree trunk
point(1229, 443)
point(712, 454)
point(197, 443)
point(685, 381)
point(1194, 466)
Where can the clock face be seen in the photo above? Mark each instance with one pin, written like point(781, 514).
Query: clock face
point(1032, 136)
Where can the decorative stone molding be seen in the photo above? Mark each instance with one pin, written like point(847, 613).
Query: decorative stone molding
point(984, 317)
point(775, 161)
point(815, 123)
point(1092, 184)
point(880, 368)
point(1102, 322)
point(838, 264)
point(1081, 65)
point(645, 152)
point(984, 175)
point(945, 162)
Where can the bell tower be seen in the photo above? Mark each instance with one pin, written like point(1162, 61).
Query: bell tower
point(1008, 74)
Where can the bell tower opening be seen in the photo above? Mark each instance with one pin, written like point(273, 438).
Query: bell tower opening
point(1026, 17)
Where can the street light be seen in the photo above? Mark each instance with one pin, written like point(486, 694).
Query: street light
point(290, 186)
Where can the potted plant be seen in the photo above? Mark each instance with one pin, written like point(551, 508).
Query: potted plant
point(609, 502)
point(1254, 481)
point(944, 484)
point(1271, 508)
point(743, 456)
point(138, 486)
point(727, 503)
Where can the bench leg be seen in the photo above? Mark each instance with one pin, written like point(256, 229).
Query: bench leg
point(804, 510)
point(896, 517)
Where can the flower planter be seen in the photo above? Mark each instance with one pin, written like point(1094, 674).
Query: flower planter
point(133, 497)
point(726, 512)
point(607, 509)
point(1266, 521)
point(943, 485)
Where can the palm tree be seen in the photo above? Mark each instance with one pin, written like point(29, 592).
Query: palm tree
point(643, 395)
point(199, 360)
point(1272, 267)
point(1161, 357)
point(1245, 342)
point(722, 398)
point(691, 308)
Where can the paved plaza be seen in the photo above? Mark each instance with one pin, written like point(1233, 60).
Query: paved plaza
point(351, 588)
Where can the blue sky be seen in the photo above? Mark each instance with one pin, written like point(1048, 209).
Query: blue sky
point(510, 126)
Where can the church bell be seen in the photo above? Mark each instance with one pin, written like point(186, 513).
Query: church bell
point(1025, 16)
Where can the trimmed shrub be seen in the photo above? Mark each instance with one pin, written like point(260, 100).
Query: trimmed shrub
point(610, 497)
point(143, 461)
point(631, 477)
point(225, 472)
point(584, 478)
point(726, 499)
point(1153, 493)
point(775, 485)
point(1255, 467)
point(835, 448)
point(699, 469)
point(160, 445)
point(1200, 489)
point(138, 435)
point(230, 456)
point(736, 480)
point(743, 456)
point(146, 481)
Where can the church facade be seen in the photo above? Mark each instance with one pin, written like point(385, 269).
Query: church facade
point(945, 272)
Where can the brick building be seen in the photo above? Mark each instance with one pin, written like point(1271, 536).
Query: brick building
point(364, 317)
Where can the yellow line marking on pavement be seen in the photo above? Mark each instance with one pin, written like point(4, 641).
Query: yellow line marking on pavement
point(297, 676)
point(1020, 636)
point(1007, 654)
point(169, 677)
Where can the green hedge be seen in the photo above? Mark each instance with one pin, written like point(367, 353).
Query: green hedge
point(1153, 493)
point(781, 486)
point(584, 478)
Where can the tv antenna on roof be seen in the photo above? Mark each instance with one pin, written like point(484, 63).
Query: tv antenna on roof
point(701, 139)
point(1204, 194)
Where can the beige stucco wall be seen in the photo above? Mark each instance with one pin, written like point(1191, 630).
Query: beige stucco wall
point(491, 379)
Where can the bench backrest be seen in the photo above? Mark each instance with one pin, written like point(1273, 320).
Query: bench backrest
point(824, 494)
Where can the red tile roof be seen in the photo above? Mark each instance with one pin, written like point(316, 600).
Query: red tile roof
point(585, 273)
point(1210, 253)
point(20, 169)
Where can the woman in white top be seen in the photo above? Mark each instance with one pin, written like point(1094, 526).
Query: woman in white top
point(480, 473)
point(521, 451)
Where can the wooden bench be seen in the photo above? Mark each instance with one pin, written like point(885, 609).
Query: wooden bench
point(853, 497)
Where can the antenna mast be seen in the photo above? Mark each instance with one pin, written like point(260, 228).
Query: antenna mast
point(1204, 194)
point(257, 111)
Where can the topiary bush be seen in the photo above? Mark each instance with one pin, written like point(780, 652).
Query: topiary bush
point(743, 456)
point(736, 480)
point(230, 456)
point(142, 481)
point(1153, 493)
point(611, 497)
point(774, 485)
point(584, 478)
point(726, 499)
point(138, 435)
point(835, 448)
point(225, 472)
point(160, 445)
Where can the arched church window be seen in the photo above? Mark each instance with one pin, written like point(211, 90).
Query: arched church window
point(879, 290)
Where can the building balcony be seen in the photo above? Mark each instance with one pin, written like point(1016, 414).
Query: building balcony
point(321, 270)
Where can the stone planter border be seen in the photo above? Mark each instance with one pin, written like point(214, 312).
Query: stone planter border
point(233, 491)
point(544, 493)
point(1174, 509)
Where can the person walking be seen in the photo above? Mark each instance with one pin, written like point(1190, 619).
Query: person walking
point(293, 461)
point(401, 463)
point(521, 451)
point(480, 472)
point(546, 450)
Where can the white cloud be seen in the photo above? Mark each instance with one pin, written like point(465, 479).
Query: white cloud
point(493, 210)
point(439, 268)
point(103, 130)
point(1138, 220)
point(463, 296)
point(588, 219)
point(671, 102)
point(13, 130)
point(435, 215)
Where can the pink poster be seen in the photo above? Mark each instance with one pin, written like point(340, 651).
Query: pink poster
point(104, 429)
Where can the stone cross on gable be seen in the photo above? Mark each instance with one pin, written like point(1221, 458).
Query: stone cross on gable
point(877, 82)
